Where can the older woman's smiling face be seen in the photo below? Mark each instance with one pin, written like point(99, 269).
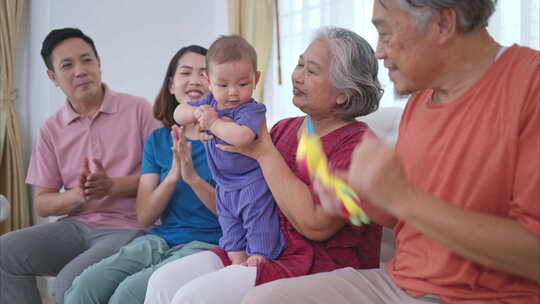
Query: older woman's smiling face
point(313, 90)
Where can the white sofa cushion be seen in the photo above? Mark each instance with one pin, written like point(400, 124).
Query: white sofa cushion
point(385, 123)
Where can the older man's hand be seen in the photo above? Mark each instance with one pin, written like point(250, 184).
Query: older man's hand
point(377, 175)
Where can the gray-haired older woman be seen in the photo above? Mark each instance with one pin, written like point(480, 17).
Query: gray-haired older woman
point(334, 82)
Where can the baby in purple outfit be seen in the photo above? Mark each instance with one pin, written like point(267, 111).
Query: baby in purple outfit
point(246, 209)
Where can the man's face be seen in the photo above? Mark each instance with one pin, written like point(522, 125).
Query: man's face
point(76, 70)
point(406, 50)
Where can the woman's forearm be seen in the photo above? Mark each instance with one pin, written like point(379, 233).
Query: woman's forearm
point(295, 199)
point(153, 197)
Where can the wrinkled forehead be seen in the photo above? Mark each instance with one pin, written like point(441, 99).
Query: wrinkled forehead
point(317, 51)
point(386, 12)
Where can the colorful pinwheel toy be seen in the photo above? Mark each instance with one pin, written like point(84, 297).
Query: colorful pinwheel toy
point(310, 156)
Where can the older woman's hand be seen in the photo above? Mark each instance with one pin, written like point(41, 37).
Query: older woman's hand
point(254, 150)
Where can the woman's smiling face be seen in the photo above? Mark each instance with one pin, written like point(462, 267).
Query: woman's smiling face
point(188, 82)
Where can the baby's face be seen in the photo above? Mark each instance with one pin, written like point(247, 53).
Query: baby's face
point(232, 83)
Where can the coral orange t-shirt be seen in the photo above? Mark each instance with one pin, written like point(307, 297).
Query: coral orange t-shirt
point(480, 152)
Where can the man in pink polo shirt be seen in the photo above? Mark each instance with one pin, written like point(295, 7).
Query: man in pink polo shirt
point(85, 165)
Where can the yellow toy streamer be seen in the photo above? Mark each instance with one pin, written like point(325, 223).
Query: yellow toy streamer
point(310, 155)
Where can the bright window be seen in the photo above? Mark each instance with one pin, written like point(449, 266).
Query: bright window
point(513, 22)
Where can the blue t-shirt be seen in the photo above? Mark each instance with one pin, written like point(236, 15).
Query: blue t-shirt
point(185, 218)
point(233, 171)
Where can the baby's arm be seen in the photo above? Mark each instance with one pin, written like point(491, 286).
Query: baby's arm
point(224, 127)
point(185, 114)
point(232, 133)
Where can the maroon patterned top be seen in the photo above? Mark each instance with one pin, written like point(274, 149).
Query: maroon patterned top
point(352, 246)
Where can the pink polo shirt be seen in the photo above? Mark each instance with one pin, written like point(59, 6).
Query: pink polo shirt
point(115, 135)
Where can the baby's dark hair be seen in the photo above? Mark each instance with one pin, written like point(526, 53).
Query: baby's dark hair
point(55, 37)
point(230, 48)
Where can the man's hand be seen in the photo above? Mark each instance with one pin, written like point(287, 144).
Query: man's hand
point(83, 178)
point(377, 175)
point(97, 184)
point(329, 201)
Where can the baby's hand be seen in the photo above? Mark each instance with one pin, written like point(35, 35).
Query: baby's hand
point(206, 116)
point(255, 260)
point(237, 257)
point(198, 112)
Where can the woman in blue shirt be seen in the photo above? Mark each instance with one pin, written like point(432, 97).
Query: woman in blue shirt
point(176, 187)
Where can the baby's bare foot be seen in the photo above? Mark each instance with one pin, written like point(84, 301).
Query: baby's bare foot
point(237, 257)
point(255, 260)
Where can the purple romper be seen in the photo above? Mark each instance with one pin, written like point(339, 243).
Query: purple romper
point(246, 209)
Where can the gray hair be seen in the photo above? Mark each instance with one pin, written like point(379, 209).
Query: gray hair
point(353, 71)
point(471, 14)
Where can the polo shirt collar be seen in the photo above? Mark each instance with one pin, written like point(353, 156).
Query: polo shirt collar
point(108, 106)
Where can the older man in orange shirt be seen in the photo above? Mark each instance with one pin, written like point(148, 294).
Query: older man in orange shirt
point(462, 188)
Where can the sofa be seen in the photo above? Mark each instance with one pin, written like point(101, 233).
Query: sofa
point(384, 122)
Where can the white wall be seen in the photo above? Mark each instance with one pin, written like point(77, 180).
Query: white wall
point(134, 38)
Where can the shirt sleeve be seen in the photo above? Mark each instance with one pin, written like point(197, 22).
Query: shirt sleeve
point(251, 115)
point(148, 122)
point(149, 164)
point(43, 170)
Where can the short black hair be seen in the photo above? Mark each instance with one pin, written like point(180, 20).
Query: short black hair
point(56, 36)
